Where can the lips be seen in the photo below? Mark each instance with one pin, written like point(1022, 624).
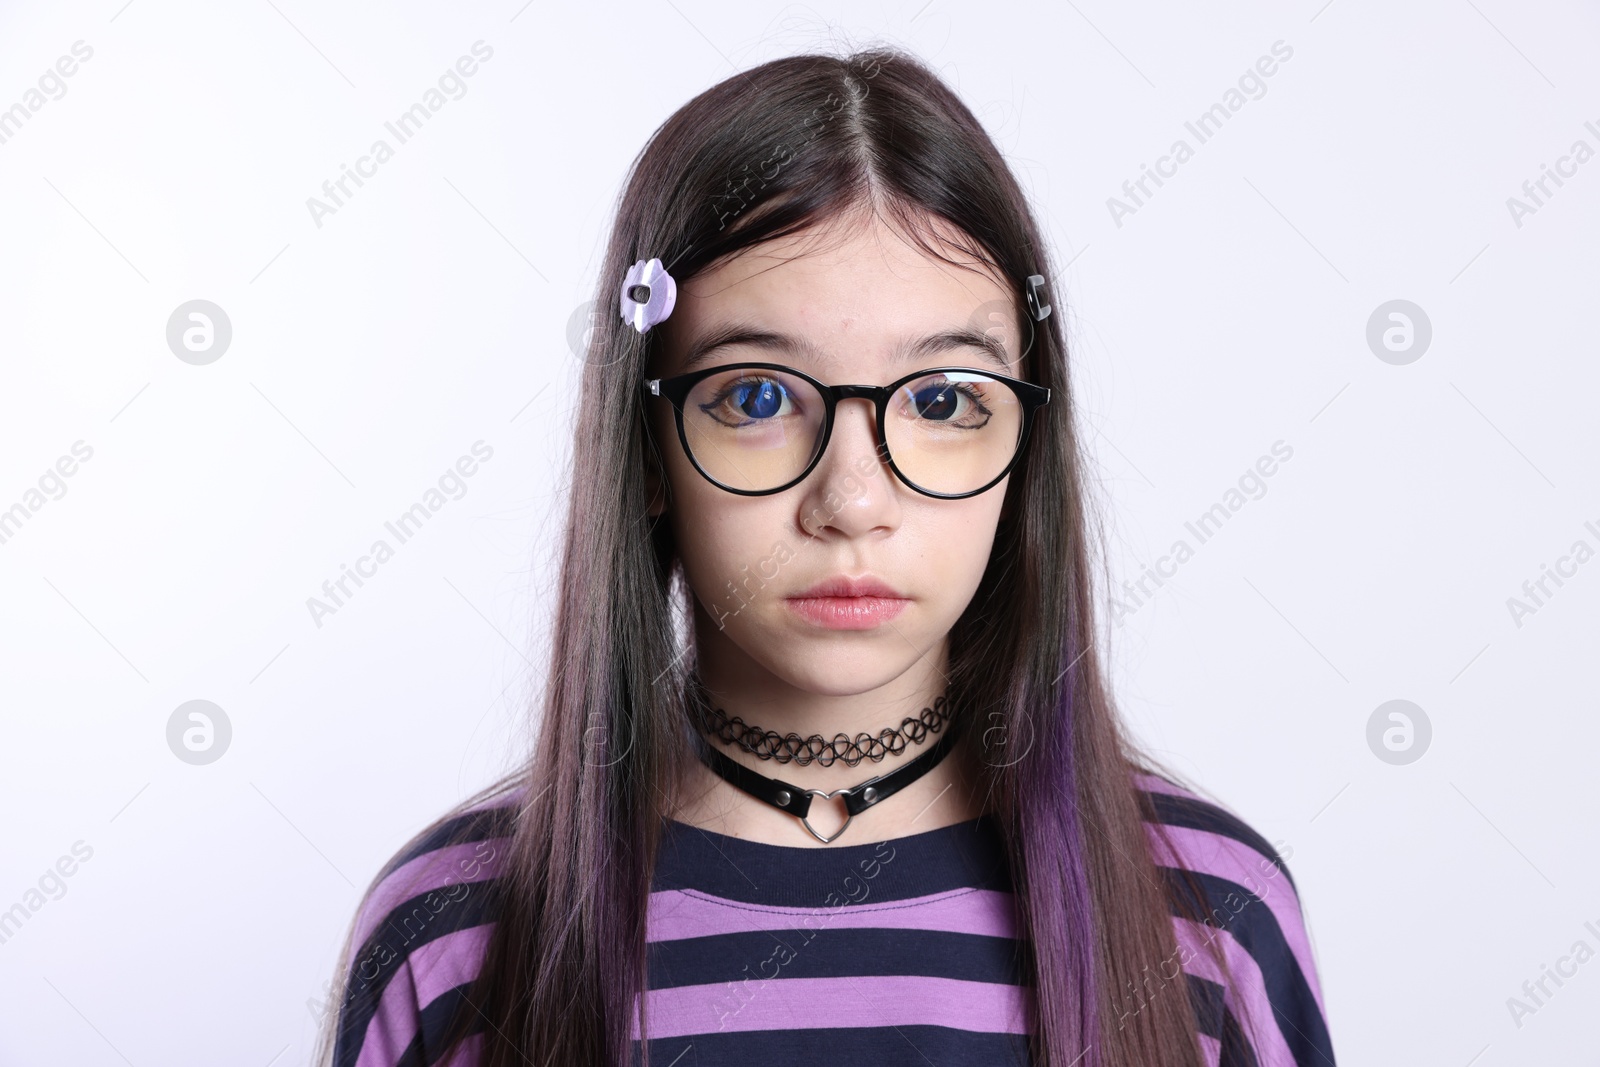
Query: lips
point(845, 603)
point(845, 586)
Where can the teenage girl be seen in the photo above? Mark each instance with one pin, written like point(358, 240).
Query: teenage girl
point(827, 771)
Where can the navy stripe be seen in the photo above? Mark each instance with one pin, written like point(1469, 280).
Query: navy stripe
point(962, 855)
point(388, 948)
point(1256, 929)
point(1236, 1049)
point(1211, 1013)
point(876, 1046)
point(1195, 814)
point(761, 955)
point(1206, 997)
point(427, 1047)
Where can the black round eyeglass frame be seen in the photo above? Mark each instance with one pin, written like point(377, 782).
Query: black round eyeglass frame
point(676, 390)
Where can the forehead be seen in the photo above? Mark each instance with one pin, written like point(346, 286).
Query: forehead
point(850, 294)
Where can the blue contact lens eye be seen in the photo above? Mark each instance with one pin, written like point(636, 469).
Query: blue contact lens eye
point(759, 400)
point(936, 402)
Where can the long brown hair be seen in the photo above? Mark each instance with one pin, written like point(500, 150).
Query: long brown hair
point(766, 153)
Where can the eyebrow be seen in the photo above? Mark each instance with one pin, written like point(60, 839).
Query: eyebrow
point(933, 344)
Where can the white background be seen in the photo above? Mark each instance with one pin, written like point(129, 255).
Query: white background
point(431, 310)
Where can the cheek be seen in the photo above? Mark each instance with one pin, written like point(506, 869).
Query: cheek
point(960, 541)
point(721, 539)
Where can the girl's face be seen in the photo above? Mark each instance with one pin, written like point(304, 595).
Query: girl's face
point(850, 305)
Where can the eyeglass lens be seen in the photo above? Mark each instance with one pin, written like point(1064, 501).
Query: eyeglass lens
point(754, 428)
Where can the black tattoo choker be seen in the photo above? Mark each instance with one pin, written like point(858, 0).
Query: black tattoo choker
point(791, 747)
point(797, 801)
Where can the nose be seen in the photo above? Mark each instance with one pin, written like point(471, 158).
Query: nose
point(851, 490)
point(854, 440)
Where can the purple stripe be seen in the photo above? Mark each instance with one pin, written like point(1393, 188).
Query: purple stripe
point(434, 968)
point(1224, 857)
point(1210, 1049)
point(826, 1003)
point(432, 870)
point(1246, 995)
point(679, 913)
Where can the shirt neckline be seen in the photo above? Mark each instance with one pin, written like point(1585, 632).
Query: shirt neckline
point(910, 840)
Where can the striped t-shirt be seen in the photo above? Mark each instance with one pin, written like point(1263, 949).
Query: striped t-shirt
point(894, 952)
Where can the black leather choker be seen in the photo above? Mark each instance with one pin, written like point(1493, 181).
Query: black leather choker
point(857, 798)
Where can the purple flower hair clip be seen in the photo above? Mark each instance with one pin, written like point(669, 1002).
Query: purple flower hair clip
point(648, 294)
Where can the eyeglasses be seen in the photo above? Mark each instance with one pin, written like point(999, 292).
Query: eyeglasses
point(760, 428)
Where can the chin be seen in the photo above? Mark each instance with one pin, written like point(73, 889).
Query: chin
point(833, 669)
